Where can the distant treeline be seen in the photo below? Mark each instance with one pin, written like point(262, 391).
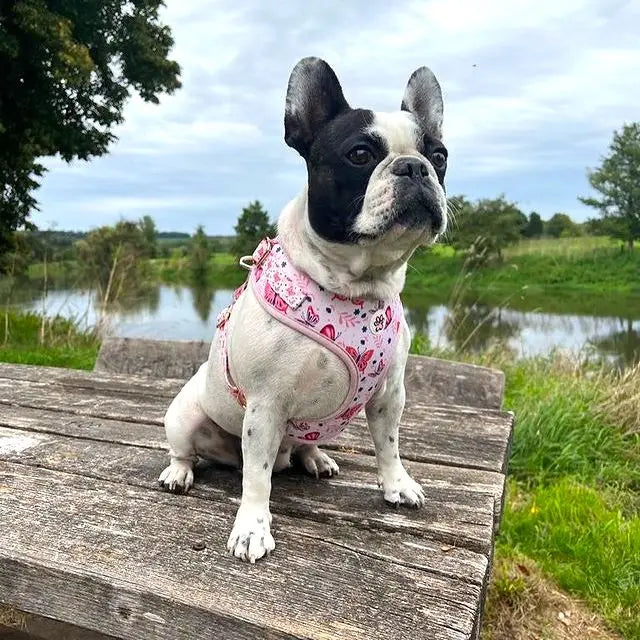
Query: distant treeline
point(481, 229)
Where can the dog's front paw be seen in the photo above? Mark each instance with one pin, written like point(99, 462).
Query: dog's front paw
point(177, 477)
point(251, 537)
point(403, 489)
point(317, 462)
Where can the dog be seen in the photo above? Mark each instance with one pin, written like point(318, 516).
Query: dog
point(319, 318)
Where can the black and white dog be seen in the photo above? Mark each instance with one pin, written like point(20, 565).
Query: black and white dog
point(375, 192)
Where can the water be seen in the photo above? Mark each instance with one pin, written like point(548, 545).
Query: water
point(181, 312)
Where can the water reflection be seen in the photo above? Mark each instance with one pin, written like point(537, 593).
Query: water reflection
point(182, 312)
point(478, 327)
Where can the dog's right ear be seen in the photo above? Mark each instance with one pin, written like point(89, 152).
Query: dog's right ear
point(314, 97)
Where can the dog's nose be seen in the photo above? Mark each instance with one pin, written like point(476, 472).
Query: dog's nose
point(410, 167)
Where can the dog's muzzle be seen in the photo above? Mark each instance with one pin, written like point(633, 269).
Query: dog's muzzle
point(417, 200)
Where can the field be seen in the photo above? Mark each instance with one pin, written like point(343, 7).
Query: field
point(568, 555)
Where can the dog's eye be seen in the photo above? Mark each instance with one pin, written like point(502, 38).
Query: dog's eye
point(438, 159)
point(359, 156)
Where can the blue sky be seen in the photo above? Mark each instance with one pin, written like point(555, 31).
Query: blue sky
point(533, 90)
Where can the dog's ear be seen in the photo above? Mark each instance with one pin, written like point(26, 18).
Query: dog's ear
point(423, 98)
point(314, 97)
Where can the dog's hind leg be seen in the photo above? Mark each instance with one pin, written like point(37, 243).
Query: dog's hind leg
point(191, 433)
point(316, 461)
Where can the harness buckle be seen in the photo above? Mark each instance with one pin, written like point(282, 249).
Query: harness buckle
point(262, 251)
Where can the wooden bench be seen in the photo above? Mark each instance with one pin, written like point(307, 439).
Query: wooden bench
point(90, 547)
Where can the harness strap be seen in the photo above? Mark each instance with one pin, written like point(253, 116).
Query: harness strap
point(249, 263)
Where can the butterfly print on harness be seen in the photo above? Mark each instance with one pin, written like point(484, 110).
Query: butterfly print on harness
point(360, 332)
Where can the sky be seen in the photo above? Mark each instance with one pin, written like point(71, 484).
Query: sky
point(533, 90)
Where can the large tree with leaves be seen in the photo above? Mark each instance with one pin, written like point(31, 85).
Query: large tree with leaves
point(252, 226)
point(618, 182)
point(66, 70)
point(487, 226)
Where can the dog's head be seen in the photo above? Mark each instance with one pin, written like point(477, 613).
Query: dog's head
point(372, 177)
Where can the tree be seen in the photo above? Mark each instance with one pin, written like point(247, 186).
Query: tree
point(150, 234)
point(560, 225)
point(252, 226)
point(199, 252)
point(111, 259)
point(618, 182)
point(66, 70)
point(488, 226)
point(535, 226)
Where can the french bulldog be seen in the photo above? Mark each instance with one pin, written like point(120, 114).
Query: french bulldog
point(375, 192)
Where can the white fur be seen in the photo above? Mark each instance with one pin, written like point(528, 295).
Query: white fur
point(401, 134)
point(285, 374)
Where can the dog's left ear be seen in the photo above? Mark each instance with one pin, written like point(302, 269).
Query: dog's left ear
point(314, 97)
point(423, 98)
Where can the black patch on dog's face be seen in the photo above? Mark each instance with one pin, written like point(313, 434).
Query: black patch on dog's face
point(430, 148)
point(337, 186)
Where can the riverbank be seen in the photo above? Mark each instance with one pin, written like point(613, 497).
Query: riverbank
point(534, 275)
point(571, 529)
point(27, 338)
point(586, 275)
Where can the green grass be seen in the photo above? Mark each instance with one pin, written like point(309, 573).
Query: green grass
point(560, 431)
point(588, 547)
point(223, 272)
point(61, 344)
point(561, 246)
point(597, 270)
point(574, 478)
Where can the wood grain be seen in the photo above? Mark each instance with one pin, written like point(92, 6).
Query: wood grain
point(152, 436)
point(95, 562)
point(462, 436)
point(79, 456)
point(149, 366)
point(453, 514)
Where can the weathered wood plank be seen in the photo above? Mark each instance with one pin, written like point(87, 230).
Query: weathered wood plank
point(428, 380)
point(154, 358)
point(33, 627)
point(152, 436)
point(132, 384)
point(119, 560)
point(460, 436)
point(453, 514)
point(437, 381)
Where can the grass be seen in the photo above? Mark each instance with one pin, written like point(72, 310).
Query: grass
point(590, 548)
point(574, 482)
point(537, 278)
point(56, 342)
point(223, 271)
point(561, 246)
point(525, 605)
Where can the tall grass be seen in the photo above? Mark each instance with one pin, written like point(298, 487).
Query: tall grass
point(590, 548)
point(29, 338)
point(573, 505)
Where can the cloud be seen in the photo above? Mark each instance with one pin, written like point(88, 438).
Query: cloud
point(533, 91)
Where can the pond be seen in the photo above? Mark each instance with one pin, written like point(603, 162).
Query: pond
point(180, 312)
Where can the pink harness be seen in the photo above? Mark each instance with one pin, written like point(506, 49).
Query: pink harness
point(363, 333)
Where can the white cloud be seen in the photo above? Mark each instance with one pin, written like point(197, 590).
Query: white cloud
point(533, 90)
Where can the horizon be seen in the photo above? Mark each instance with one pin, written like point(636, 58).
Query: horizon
point(530, 105)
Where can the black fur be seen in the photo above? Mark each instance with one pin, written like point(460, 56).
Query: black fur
point(322, 127)
point(336, 186)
